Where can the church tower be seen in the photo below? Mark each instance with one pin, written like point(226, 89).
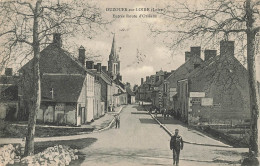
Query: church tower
point(113, 62)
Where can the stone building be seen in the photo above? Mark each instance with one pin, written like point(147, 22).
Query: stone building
point(130, 95)
point(67, 86)
point(216, 91)
point(192, 61)
point(98, 105)
point(8, 95)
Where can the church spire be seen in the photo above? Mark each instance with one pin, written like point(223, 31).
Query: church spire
point(113, 62)
point(113, 53)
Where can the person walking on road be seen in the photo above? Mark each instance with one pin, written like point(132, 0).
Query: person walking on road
point(117, 118)
point(155, 111)
point(176, 145)
point(164, 113)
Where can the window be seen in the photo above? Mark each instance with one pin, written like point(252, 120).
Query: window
point(115, 68)
point(165, 87)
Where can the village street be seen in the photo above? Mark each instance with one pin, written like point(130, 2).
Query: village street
point(141, 141)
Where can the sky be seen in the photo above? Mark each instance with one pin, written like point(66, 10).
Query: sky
point(140, 52)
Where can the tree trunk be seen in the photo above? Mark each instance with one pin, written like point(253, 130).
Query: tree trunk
point(253, 87)
point(36, 98)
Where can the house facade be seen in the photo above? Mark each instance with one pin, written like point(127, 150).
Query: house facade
point(73, 91)
point(217, 91)
point(9, 96)
point(213, 90)
point(73, 103)
point(98, 105)
point(130, 95)
point(192, 61)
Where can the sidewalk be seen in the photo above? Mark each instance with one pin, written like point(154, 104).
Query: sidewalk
point(201, 147)
point(189, 135)
point(105, 121)
point(100, 124)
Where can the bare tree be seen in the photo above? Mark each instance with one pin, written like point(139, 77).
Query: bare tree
point(211, 22)
point(26, 27)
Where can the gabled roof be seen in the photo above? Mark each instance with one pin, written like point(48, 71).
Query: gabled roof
point(215, 69)
point(182, 71)
point(106, 78)
point(54, 59)
point(66, 88)
point(158, 83)
point(120, 84)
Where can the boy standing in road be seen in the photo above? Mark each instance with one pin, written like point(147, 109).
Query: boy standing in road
point(117, 118)
point(176, 145)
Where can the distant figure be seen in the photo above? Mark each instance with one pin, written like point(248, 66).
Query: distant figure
point(117, 118)
point(167, 113)
point(155, 111)
point(251, 160)
point(109, 108)
point(164, 113)
point(176, 145)
point(113, 108)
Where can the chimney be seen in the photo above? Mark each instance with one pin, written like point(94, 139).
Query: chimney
point(147, 79)
point(209, 54)
point(8, 71)
point(195, 51)
point(98, 67)
point(82, 57)
point(104, 68)
point(187, 55)
point(142, 81)
point(227, 48)
point(90, 65)
point(57, 39)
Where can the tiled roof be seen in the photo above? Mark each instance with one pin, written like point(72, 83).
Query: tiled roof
point(66, 88)
point(183, 71)
point(54, 59)
point(158, 83)
point(215, 69)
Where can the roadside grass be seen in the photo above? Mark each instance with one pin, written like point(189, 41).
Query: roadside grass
point(8, 130)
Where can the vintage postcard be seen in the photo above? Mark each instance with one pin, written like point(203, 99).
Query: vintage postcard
point(129, 82)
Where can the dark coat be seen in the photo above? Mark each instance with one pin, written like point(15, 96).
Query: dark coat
point(176, 142)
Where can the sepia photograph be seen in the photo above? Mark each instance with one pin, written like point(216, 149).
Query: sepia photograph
point(129, 82)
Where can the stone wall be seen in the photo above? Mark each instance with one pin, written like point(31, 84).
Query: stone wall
point(48, 114)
